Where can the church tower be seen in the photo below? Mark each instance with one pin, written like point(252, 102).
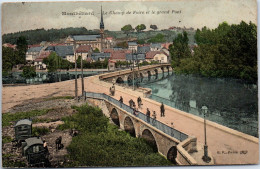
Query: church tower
point(102, 30)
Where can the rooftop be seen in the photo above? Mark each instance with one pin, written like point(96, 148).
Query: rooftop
point(83, 49)
point(63, 51)
point(143, 49)
point(35, 49)
point(151, 54)
point(86, 37)
point(43, 54)
point(132, 44)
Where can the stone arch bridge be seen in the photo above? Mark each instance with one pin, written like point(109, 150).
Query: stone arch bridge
point(171, 143)
point(142, 72)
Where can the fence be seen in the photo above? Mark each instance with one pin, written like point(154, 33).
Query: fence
point(155, 123)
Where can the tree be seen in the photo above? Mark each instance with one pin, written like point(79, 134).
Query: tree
point(53, 62)
point(22, 46)
point(28, 72)
point(8, 58)
point(122, 44)
point(154, 27)
point(159, 38)
point(127, 29)
point(96, 50)
point(226, 51)
point(140, 27)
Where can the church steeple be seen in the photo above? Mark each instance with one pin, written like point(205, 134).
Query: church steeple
point(101, 21)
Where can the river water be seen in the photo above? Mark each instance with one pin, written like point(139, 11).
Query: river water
point(230, 102)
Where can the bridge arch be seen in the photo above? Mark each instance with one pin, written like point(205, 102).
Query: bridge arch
point(129, 126)
point(172, 154)
point(115, 117)
point(119, 80)
point(148, 136)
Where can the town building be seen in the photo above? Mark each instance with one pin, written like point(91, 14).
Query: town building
point(38, 62)
point(156, 46)
point(84, 51)
point(65, 52)
point(132, 46)
point(97, 41)
point(100, 56)
point(143, 49)
point(159, 56)
point(32, 53)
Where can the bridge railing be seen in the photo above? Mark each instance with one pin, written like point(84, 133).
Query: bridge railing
point(155, 123)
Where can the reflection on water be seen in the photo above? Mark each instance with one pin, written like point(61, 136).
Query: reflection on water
point(230, 102)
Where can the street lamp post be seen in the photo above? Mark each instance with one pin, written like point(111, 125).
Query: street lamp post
point(205, 158)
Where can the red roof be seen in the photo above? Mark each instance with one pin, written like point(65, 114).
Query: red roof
point(109, 38)
point(151, 54)
point(118, 55)
point(43, 54)
point(166, 45)
point(57, 44)
point(9, 45)
point(35, 45)
point(83, 49)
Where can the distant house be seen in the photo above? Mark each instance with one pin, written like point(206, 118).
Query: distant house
point(118, 56)
point(157, 56)
point(32, 53)
point(132, 46)
point(65, 52)
point(93, 40)
point(143, 49)
point(136, 57)
point(38, 63)
point(84, 51)
point(155, 46)
point(100, 56)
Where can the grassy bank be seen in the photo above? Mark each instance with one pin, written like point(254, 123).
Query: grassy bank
point(102, 144)
point(7, 118)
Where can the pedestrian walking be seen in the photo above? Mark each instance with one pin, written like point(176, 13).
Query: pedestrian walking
point(154, 116)
point(162, 110)
point(148, 113)
point(139, 101)
point(131, 103)
point(121, 99)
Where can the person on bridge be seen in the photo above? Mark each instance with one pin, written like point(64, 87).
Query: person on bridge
point(121, 99)
point(139, 101)
point(131, 103)
point(148, 113)
point(154, 116)
point(162, 110)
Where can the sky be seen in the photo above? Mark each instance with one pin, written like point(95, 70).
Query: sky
point(189, 13)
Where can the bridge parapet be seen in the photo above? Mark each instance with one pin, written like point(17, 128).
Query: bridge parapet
point(142, 70)
point(168, 141)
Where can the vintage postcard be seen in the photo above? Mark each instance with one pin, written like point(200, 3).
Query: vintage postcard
point(129, 84)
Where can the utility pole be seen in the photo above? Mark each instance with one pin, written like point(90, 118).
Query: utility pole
point(76, 83)
point(82, 78)
point(133, 72)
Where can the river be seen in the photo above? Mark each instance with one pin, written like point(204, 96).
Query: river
point(230, 102)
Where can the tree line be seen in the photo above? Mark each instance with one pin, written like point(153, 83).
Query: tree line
point(50, 35)
point(226, 51)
